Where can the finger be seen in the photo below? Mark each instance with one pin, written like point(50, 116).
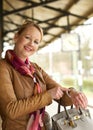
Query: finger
point(84, 100)
point(59, 94)
point(64, 89)
point(76, 104)
point(81, 100)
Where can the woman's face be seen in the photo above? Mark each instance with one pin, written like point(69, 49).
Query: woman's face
point(27, 42)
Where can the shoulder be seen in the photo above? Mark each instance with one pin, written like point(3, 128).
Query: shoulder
point(2, 62)
point(4, 65)
point(6, 70)
point(38, 69)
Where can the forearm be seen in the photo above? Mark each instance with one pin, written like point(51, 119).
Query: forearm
point(15, 109)
point(65, 100)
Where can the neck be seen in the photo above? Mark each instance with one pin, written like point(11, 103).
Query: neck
point(19, 56)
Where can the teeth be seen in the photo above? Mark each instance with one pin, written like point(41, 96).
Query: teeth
point(27, 48)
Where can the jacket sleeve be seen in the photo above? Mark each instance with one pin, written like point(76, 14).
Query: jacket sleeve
point(50, 83)
point(10, 106)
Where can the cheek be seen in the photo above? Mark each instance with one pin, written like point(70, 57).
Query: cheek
point(20, 42)
point(36, 48)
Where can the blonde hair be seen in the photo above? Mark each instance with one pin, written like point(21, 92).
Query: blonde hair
point(30, 23)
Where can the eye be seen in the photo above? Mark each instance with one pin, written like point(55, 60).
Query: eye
point(27, 37)
point(36, 42)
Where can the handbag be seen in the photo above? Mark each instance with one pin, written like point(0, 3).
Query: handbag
point(72, 119)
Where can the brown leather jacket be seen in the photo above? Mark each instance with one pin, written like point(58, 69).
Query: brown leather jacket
point(16, 95)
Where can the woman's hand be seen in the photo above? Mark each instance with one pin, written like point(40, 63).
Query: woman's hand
point(79, 99)
point(57, 92)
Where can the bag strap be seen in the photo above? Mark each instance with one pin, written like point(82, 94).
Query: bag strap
point(63, 103)
point(59, 105)
point(68, 117)
point(71, 122)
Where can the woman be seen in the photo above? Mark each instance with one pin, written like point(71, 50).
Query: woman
point(25, 88)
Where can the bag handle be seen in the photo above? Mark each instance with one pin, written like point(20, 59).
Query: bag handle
point(71, 121)
point(68, 117)
point(59, 105)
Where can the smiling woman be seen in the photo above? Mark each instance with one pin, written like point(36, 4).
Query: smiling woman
point(27, 23)
point(27, 40)
point(25, 88)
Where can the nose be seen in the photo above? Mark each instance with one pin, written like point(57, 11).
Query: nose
point(31, 43)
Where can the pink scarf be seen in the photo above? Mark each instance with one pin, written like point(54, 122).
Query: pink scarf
point(35, 120)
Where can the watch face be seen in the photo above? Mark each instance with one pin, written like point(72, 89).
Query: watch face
point(70, 42)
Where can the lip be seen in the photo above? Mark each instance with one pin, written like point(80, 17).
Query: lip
point(27, 48)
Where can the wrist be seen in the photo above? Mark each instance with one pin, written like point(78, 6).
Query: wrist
point(70, 91)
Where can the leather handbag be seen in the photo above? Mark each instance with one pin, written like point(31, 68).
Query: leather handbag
point(72, 119)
